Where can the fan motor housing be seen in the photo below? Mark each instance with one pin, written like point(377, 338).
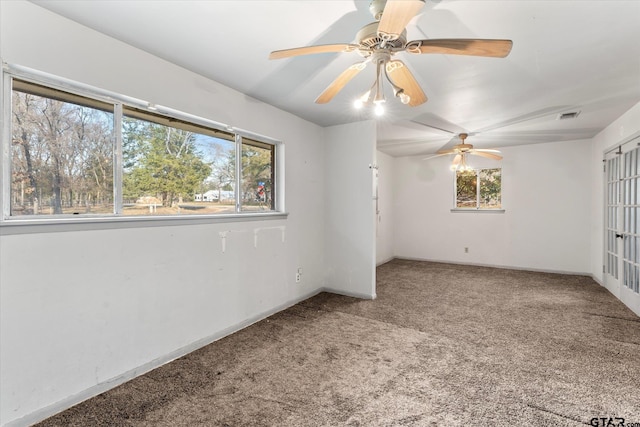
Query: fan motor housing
point(368, 38)
point(376, 8)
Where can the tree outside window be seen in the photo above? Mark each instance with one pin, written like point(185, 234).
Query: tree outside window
point(257, 176)
point(61, 156)
point(479, 189)
point(68, 157)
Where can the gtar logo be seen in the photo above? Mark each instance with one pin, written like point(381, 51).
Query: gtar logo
point(607, 422)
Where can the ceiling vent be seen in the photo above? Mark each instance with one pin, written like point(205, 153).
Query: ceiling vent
point(566, 116)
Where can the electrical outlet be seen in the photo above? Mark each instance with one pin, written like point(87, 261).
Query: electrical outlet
point(298, 277)
point(466, 250)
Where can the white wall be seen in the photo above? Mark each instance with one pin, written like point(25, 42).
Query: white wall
point(623, 129)
point(385, 219)
point(84, 310)
point(545, 226)
point(350, 217)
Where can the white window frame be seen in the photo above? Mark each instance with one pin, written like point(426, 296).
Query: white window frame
point(477, 209)
point(10, 72)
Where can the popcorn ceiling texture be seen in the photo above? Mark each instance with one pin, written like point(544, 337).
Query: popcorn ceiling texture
point(442, 345)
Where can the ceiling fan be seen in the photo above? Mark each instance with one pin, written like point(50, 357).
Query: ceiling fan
point(462, 150)
point(379, 41)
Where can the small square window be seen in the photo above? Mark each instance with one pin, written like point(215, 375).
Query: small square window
point(479, 189)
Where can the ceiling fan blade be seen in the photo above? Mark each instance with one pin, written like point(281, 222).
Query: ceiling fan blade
point(456, 160)
point(447, 151)
point(474, 47)
point(340, 82)
point(396, 15)
point(400, 76)
point(484, 154)
point(310, 50)
point(486, 150)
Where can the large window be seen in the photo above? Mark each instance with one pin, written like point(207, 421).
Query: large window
point(61, 153)
point(75, 154)
point(479, 189)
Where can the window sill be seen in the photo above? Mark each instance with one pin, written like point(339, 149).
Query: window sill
point(54, 225)
point(457, 210)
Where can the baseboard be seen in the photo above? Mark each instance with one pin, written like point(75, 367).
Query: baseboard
point(48, 411)
point(504, 267)
point(385, 261)
point(358, 295)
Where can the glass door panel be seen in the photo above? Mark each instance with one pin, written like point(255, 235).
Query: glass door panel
point(612, 252)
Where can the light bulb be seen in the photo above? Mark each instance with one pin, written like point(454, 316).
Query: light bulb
point(404, 98)
point(453, 167)
point(379, 109)
point(359, 103)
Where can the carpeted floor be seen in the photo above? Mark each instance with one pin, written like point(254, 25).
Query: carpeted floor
point(443, 345)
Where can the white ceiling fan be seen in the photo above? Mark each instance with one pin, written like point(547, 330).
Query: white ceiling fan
point(462, 150)
point(380, 41)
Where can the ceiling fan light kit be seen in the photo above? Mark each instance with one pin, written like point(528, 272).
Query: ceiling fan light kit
point(379, 41)
point(463, 150)
point(460, 163)
point(375, 94)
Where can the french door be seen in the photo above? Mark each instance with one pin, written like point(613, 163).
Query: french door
point(622, 224)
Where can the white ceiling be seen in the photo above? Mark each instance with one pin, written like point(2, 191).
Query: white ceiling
point(567, 56)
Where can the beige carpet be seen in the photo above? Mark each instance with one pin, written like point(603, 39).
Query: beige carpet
point(443, 345)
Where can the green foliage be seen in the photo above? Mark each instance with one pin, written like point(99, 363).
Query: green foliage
point(490, 188)
point(160, 161)
point(489, 196)
point(466, 189)
point(256, 168)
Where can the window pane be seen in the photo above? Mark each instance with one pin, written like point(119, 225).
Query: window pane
point(172, 167)
point(466, 189)
point(61, 154)
point(217, 192)
point(490, 188)
point(257, 176)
